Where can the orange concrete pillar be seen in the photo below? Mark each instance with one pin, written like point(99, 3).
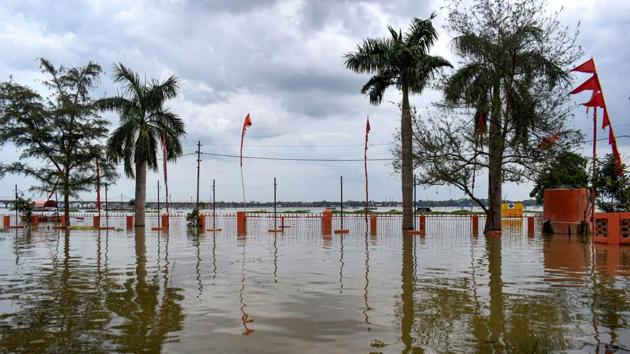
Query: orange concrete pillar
point(34, 220)
point(6, 221)
point(530, 225)
point(607, 228)
point(241, 223)
point(422, 224)
point(327, 222)
point(96, 222)
point(475, 225)
point(202, 221)
point(129, 222)
point(373, 225)
point(165, 221)
point(64, 221)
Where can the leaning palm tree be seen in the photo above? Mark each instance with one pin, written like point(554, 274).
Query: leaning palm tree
point(143, 122)
point(402, 61)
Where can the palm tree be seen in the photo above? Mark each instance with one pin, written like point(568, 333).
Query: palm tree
point(143, 121)
point(402, 61)
point(500, 81)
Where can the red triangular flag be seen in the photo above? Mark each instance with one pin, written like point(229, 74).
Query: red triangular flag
point(618, 158)
point(606, 121)
point(597, 100)
point(246, 123)
point(586, 67)
point(590, 84)
point(611, 138)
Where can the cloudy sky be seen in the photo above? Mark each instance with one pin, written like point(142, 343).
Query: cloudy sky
point(282, 62)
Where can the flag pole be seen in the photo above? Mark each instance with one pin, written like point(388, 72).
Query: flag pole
point(594, 189)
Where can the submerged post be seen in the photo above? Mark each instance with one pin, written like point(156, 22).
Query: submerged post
point(158, 203)
point(214, 206)
point(275, 209)
point(106, 209)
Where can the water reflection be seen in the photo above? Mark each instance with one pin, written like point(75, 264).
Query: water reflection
point(117, 291)
point(147, 316)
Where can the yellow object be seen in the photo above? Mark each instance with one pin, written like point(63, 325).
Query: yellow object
point(512, 210)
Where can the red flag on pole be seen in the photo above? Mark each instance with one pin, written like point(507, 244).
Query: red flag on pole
point(164, 158)
point(597, 100)
point(586, 67)
point(247, 123)
point(367, 199)
point(98, 188)
point(606, 121)
point(590, 84)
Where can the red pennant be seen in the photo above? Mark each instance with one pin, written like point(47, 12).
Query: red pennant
point(586, 67)
point(590, 84)
point(98, 188)
point(606, 121)
point(597, 100)
point(611, 138)
point(247, 123)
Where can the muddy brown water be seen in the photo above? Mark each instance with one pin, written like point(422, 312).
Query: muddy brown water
point(300, 292)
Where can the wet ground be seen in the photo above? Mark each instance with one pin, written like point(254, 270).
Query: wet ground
point(300, 292)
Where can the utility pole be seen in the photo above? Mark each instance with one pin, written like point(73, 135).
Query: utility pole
point(275, 209)
point(214, 205)
point(341, 200)
point(198, 162)
point(158, 203)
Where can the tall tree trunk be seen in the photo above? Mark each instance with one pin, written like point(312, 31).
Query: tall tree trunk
point(406, 170)
point(66, 196)
point(141, 192)
point(495, 163)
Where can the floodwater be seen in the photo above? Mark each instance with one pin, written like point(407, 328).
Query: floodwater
point(299, 292)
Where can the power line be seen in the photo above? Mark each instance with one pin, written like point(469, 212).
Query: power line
point(293, 158)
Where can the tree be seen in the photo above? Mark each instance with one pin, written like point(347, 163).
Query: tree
point(61, 130)
point(505, 108)
point(402, 61)
point(613, 188)
point(143, 121)
point(568, 170)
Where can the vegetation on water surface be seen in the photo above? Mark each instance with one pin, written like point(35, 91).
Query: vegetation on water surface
point(144, 122)
point(509, 94)
point(60, 129)
point(402, 61)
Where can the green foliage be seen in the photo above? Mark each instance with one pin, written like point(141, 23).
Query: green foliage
point(59, 129)
point(613, 188)
point(567, 170)
point(514, 72)
point(25, 208)
point(402, 60)
point(192, 218)
point(143, 120)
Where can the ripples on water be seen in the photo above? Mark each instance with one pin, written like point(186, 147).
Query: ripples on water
point(300, 292)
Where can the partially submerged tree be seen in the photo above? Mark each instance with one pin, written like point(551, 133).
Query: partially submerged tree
point(505, 107)
point(402, 61)
point(568, 170)
point(143, 122)
point(613, 188)
point(60, 133)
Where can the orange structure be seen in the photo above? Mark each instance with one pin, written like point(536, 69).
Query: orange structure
point(566, 211)
point(96, 222)
point(422, 227)
point(202, 221)
point(34, 220)
point(327, 222)
point(373, 225)
point(475, 225)
point(165, 221)
point(129, 222)
point(6, 221)
point(531, 225)
point(241, 223)
point(612, 228)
